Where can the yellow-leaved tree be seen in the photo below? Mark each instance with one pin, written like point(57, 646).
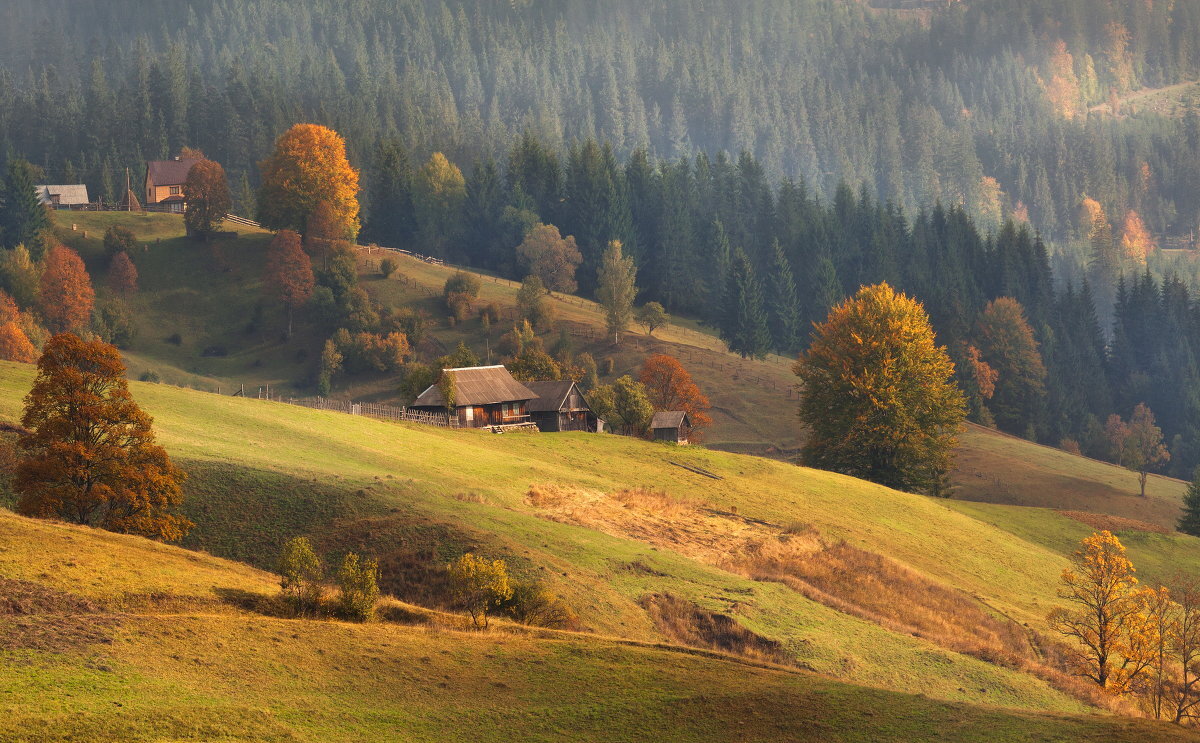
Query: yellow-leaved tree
point(309, 168)
point(878, 396)
point(479, 586)
point(1109, 622)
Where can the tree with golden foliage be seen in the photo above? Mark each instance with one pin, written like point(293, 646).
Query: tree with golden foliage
point(979, 384)
point(670, 387)
point(1063, 86)
point(479, 586)
point(206, 193)
point(289, 274)
point(1138, 444)
point(66, 294)
point(551, 257)
point(1109, 623)
point(439, 190)
point(1007, 345)
point(123, 275)
point(1136, 242)
point(878, 397)
point(90, 457)
point(309, 166)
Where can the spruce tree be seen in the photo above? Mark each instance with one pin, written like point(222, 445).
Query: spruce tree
point(22, 215)
point(783, 315)
point(391, 221)
point(1189, 522)
point(717, 261)
point(744, 328)
point(824, 289)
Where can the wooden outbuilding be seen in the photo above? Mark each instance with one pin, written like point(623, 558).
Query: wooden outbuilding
point(62, 196)
point(671, 425)
point(483, 396)
point(561, 406)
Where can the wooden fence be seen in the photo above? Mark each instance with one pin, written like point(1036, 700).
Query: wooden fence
point(368, 409)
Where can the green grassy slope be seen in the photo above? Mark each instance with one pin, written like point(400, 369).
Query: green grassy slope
point(263, 472)
point(188, 665)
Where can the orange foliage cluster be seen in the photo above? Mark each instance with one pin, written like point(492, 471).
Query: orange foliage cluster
point(66, 290)
point(123, 275)
point(670, 387)
point(289, 274)
point(14, 343)
point(308, 167)
point(91, 457)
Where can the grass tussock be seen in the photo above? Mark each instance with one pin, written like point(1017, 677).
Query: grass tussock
point(689, 624)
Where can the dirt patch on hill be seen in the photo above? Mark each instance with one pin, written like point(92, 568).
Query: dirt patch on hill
point(1104, 522)
point(36, 617)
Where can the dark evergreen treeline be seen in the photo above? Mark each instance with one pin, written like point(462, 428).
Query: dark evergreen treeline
point(712, 238)
point(979, 106)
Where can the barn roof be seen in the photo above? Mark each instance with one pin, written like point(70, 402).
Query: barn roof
point(169, 172)
point(477, 385)
point(550, 395)
point(669, 419)
point(67, 194)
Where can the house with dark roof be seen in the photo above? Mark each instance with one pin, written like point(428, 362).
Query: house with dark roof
point(165, 179)
point(671, 425)
point(483, 396)
point(561, 406)
point(62, 196)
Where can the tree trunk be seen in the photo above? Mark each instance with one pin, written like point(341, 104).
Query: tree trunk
point(1142, 481)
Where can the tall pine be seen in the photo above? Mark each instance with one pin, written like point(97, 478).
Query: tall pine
point(744, 328)
point(22, 216)
point(1189, 522)
point(783, 314)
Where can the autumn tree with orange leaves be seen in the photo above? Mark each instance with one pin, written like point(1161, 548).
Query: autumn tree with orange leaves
point(123, 275)
point(14, 343)
point(90, 455)
point(289, 275)
point(551, 257)
point(877, 395)
point(670, 387)
point(206, 192)
point(1136, 242)
point(66, 296)
point(309, 166)
point(1108, 620)
point(1006, 344)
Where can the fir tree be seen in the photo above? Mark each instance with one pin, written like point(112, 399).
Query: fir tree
point(1189, 522)
point(744, 328)
point(22, 216)
point(391, 220)
point(783, 315)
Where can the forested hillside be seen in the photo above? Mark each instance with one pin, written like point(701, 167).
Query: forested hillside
point(982, 103)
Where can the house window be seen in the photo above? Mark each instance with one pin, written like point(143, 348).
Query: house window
point(174, 190)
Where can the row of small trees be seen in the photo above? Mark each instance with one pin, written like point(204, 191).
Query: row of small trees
point(303, 582)
point(1128, 639)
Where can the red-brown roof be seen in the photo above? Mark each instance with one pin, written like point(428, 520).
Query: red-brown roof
point(169, 172)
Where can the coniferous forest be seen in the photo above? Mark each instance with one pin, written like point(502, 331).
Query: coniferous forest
point(759, 160)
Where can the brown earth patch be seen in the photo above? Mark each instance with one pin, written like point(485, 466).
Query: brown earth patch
point(23, 597)
point(688, 624)
point(36, 617)
point(1104, 522)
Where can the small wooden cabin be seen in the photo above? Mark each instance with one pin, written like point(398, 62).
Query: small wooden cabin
point(671, 425)
point(483, 396)
point(62, 196)
point(560, 406)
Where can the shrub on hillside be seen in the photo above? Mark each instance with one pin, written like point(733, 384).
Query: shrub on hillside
point(533, 604)
point(359, 580)
point(415, 378)
point(118, 239)
point(387, 267)
point(301, 573)
point(479, 586)
point(113, 323)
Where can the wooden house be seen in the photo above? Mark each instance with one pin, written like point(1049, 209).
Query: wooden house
point(66, 196)
point(164, 182)
point(483, 396)
point(561, 406)
point(671, 425)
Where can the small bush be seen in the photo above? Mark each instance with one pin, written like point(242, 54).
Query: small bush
point(479, 586)
point(150, 376)
point(387, 267)
point(533, 604)
point(490, 312)
point(118, 239)
point(609, 366)
point(175, 339)
point(301, 573)
point(359, 581)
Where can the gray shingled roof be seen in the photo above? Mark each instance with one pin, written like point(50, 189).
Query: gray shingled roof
point(477, 385)
point(169, 172)
point(669, 419)
point(550, 395)
point(67, 194)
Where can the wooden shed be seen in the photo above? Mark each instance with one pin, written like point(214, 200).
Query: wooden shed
point(561, 406)
point(483, 396)
point(671, 425)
